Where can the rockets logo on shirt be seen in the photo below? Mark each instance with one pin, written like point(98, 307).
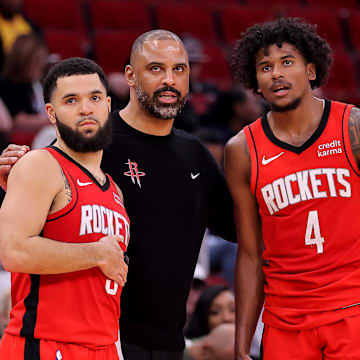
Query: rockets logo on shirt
point(306, 185)
point(101, 220)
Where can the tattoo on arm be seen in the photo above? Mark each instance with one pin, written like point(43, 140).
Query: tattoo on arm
point(354, 128)
point(67, 187)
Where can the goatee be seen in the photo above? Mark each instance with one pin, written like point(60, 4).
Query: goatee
point(155, 107)
point(291, 106)
point(77, 142)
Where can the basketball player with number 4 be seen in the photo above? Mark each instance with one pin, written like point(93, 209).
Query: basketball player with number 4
point(294, 177)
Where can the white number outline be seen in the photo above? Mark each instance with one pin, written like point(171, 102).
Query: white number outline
point(313, 225)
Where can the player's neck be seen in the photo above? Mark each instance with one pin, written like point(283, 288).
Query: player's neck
point(297, 125)
point(91, 160)
point(137, 117)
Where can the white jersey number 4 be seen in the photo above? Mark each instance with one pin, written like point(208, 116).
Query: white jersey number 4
point(313, 228)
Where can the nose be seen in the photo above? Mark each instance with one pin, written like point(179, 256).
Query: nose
point(276, 72)
point(168, 78)
point(85, 107)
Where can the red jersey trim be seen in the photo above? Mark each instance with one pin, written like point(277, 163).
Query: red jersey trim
point(74, 193)
point(253, 158)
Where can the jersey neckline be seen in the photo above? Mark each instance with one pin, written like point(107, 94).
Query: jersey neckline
point(298, 149)
point(82, 168)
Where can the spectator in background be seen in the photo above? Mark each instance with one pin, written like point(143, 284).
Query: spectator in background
point(233, 110)
point(21, 89)
point(201, 94)
point(12, 24)
point(216, 305)
point(218, 345)
point(118, 90)
point(6, 124)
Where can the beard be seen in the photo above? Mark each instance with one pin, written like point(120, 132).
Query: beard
point(156, 108)
point(291, 106)
point(80, 143)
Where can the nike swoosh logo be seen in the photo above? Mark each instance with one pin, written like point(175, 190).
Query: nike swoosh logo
point(269, 160)
point(194, 176)
point(83, 183)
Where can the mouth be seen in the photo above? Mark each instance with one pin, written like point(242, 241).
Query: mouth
point(168, 97)
point(87, 122)
point(280, 89)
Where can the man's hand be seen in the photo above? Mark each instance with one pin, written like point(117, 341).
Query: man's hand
point(113, 264)
point(8, 158)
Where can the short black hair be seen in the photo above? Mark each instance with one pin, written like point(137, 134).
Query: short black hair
point(70, 67)
point(295, 31)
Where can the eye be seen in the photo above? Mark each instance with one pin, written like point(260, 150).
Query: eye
point(96, 98)
point(288, 62)
point(70, 101)
point(179, 68)
point(155, 68)
point(266, 68)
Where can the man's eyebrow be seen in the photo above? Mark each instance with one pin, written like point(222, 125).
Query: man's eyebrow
point(160, 63)
point(96, 91)
point(282, 58)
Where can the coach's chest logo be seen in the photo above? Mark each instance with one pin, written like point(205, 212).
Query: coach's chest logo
point(134, 172)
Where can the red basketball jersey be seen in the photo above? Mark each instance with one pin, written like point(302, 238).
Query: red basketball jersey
point(309, 202)
point(81, 307)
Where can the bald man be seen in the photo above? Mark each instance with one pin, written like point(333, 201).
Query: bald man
point(173, 191)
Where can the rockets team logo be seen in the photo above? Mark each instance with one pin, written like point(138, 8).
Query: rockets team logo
point(134, 172)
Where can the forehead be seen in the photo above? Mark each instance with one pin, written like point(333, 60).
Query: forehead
point(78, 84)
point(273, 52)
point(162, 51)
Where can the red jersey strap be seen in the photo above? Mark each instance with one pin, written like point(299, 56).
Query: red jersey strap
point(346, 140)
point(74, 193)
point(116, 187)
point(253, 154)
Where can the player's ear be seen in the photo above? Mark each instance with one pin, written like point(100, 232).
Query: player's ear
point(50, 113)
point(108, 100)
point(311, 71)
point(130, 75)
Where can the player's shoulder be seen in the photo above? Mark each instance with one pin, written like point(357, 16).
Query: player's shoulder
point(355, 114)
point(36, 163)
point(237, 143)
point(35, 156)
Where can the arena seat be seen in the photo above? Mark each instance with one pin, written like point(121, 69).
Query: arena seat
point(335, 4)
point(216, 68)
point(235, 19)
point(66, 43)
point(327, 21)
point(354, 23)
point(112, 48)
point(342, 84)
point(119, 15)
point(190, 19)
point(55, 14)
point(272, 3)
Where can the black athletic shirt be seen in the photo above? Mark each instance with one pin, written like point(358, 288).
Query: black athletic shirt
point(173, 190)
